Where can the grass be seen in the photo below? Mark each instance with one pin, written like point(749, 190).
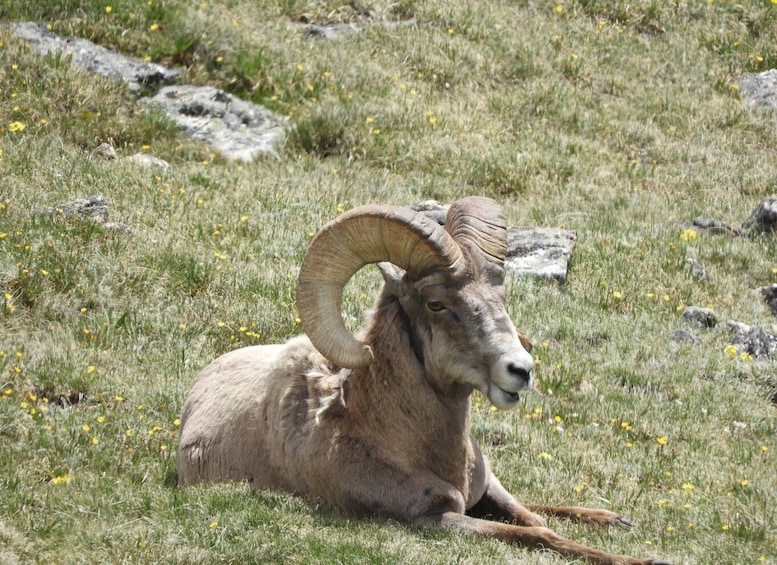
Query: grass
point(622, 122)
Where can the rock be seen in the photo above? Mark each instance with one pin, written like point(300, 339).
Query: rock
point(93, 207)
point(715, 226)
point(769, 293)
point(760, 89)
point(585, 388)
point(702, 317)
point(751, 339)
point(432, 210)
point(697, 270)
point(105, 151)
point(117, 227)
point(340, 30)
point(763, 218)
point(683, 336)
point(97, 59)
point(236, 128)
point(534, 252)
point(330, 31)
point(540, 252)
point(145, 160)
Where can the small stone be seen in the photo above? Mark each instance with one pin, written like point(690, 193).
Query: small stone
point(763, 218)
point(715, 226)
point(769, 294)
point(145, 160)
point(697, 270)
point(703, 317)
point(684, 336)
point(93, 207)
point(105, 151)
point(117, 227)
point(585, 388)
point(432, 210)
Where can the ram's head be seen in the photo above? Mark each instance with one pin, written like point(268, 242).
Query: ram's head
point(449, 281)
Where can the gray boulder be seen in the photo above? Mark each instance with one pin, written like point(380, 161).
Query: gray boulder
point(684, 336)
point(752, 340)
point(237, 129)
point(92, 207)
point(715, 226)
point(540, 252)
point(702, 317)
point(95, 58)
point(763, 218)
point(769, 294)
point(760, 89)
point(533, 252)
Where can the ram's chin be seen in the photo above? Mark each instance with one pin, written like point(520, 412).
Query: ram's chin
point(501, 398)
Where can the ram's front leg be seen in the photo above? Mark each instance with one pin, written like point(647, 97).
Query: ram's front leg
point(498, 504)
point(532, 537)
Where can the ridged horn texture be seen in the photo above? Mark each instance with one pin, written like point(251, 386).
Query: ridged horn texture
point(368, 234)
point(479, 221)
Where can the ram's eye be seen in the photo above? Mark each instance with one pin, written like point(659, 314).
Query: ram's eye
point(435, 306)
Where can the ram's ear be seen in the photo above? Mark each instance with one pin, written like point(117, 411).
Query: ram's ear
point(395, 278)
point(524, 341)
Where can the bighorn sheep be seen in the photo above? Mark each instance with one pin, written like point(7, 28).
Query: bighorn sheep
point(381, 426)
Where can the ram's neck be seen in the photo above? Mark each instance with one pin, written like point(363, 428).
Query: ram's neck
point(394, 400)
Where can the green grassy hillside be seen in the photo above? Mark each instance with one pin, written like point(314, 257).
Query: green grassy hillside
point(622, 121)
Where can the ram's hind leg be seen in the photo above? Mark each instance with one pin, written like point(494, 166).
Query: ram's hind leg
point(592, 515)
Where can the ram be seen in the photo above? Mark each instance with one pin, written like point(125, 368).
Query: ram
point(378, 424)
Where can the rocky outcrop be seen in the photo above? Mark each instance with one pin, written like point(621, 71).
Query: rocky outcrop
point(534, 252)
point(543, 252)
point(237, 129)
point(97, 59)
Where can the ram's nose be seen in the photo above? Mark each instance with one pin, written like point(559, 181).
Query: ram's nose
point(521, 372)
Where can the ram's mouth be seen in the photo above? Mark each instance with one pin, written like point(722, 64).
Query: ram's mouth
point(513, 396)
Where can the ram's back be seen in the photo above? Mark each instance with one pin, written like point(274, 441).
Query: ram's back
point(245, 416)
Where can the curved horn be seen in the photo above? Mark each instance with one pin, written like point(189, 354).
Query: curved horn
point(368, 234)
point(479, 221)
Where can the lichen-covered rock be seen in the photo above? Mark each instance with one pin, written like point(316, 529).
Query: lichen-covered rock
point(769, 294)
point(763, 218)
point(760, 89)
point(541, 252)
point(237, 129)
point(703, 317)
point(93, 207)
point(95, 58)
point(752, 340)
